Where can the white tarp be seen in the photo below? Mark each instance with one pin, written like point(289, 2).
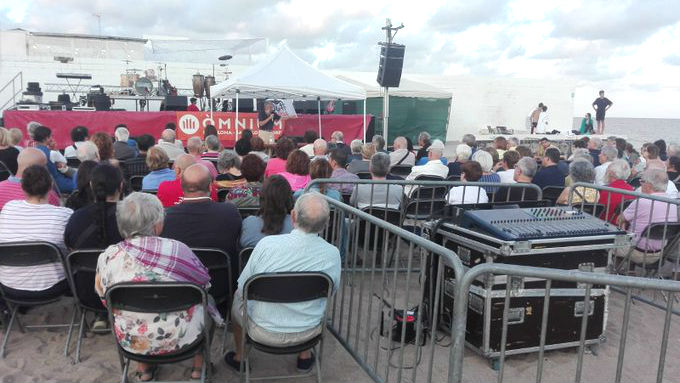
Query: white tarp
point(407, 87)
point(286, 76)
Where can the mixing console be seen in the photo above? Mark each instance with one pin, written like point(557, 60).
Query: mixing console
point(538, 223)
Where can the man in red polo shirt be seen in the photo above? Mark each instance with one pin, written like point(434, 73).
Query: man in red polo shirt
point(170, 192)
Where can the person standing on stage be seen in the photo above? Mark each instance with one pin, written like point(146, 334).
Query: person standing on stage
point(192, 106)
point(533, 117)
point(265, 121)
point(543, 120)
point(601, 106)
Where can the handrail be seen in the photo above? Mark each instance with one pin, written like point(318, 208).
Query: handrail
point(15, 92)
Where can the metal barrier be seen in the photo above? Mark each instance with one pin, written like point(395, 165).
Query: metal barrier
point(384, 308)
point(588, 280)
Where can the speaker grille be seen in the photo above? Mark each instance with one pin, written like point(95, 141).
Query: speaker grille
point(391, 63)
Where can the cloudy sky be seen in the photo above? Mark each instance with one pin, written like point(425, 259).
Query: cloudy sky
point(629, 48)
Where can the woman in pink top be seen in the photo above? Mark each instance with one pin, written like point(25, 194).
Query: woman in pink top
point(278, 165)
point(297, 170)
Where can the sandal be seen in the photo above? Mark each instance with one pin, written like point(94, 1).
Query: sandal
point(150, 374)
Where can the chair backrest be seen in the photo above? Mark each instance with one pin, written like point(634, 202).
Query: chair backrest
point(635, 182)
point(424, 209)
point(248, 211)
point(376, 234)
point(243, 257)
point(73, 162)
point(4, 171)
point(136, 183)
point(151, 191)
point(428, 192)
point(82, 267)
point(135, 167)
point(661, 231)
point(222, 194)
point(154, 297)
point(427, 177)
point(551, 193)
point(218, 264)
point(401, 170)
point(288, 287)
point(364, 175)
point(21, 254)
point(594, 209)
point(453, 177)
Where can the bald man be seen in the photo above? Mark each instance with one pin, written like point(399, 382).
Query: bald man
point(195, 148)
point(169, 144)
point(170, 192)
point(401, 155)
point(198, 221)
point(10, 189)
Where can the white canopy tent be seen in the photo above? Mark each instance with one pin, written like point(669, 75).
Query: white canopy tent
point(284, 75)
point(407, 87)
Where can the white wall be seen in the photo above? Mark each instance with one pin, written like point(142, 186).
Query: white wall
point(481, 101)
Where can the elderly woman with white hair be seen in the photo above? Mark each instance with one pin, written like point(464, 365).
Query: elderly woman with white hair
point(463, 153)
point(486, 162)
point(580, 171)
point(617, 174)
point(143, 256)
point(229, 167)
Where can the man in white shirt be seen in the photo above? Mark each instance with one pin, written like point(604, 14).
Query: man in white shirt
point(167, 143)
point(607, 155)
point(543, 120)
point(401, 155)
point(433, 167)
point(310, 137)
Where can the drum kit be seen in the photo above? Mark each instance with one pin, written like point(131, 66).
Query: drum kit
point(144, 86)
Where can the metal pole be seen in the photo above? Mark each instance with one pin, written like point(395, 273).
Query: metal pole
point(236, 120)
point(318, 105)
point(364, 120)
point(386, 112)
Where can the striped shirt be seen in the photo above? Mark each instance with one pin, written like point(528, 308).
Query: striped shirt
point(10, 190)
point(21, 221)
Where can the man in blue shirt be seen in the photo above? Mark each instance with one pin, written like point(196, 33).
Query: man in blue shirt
point(42, 135)
point(303, 249)
point(549, 174)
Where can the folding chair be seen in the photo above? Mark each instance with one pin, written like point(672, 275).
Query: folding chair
point(82, 268)
point(248, 211)
point(285, 288)
point(151, 191)
point(374, 237)
point(594, 209)
point(243, 257)
point(551, 193)
point(222, 283)
point(401, 170)
point(668, 231)
point(159, 298)
point(136, 183)
point(23, 254)
point(5, 173)
point(222, 194)
point(135, 167)
point(73, 162)
point(364, 175)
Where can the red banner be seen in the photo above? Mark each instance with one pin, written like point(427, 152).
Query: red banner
point(190, 124)
point(153, 123)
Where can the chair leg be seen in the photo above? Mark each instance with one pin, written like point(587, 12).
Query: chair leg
point(247, 366)
point(126, 368)
point(70, 330)
point(80, 336)
point(7, 331)
point(223, 346)
point(317, 355)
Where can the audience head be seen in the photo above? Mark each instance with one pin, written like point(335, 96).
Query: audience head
point(87, 151)
point(276, 202)
point(320, 168)
point(471, 171)
point(436, 150)
point(544, 142)
point(195, 146)
point(523, 151)
point(510, 158)
point(298, 163)
point(423, 139)
point(320, 147)
point(283, 148)
point(311, 213)
point(367, 151)
point(104, 145)
point(551, 156)
point(379, 165)
point(29, 157)
point(15, 136)
point(470, 140)
point(41, 134)
point(79, 134)
point(310, 136)
point(495, 157)
point(156, 158)
point(513, 142)
point(30, 129)
point(338, 159)
point(618, 170)
point(171, 126)
point(168, 136)
point(196, 180)
point(252, 167)
point(484, 159)
point(4, 137)
point(581, 154)
point(620, 146)
point(140, 215)
point(463, 152)
point(582, 171)
point(409, 145)
point(379, 142)
point(501, 143)
point(36, 181)
point(608, 154)
point(247, 134)
point(651, 152)
point(209, 130)
point(578, 144)
point(122, 134)
point(673, 150)
point(182, 162)
point(673, 163)
point(525, 169)
point(337, 137)
point(227, 160)
point(242, 146)
point(356, 145)
point(654, 180)
point(256, 144)
point(212, 143)
point(144, 142)
point(400, 143)
point(106, 181)
point(594, 143)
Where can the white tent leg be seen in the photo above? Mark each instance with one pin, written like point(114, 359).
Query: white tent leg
point(364, 120)
point(318, 104)
point(211, 109)
point(236, 121)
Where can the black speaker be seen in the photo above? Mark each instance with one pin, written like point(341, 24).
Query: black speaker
point(99, 101)
point(391, 63)
point(176, 103)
